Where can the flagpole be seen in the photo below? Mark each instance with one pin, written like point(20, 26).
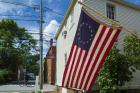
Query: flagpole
point(41, 47)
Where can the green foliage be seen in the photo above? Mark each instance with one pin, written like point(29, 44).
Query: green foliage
point(118, 68)
point(31, 63)
point(3, 74)
point(115, 72)
point(132, 50)
point(15, 45)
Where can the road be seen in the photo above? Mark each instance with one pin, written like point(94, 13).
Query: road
point(16, 87)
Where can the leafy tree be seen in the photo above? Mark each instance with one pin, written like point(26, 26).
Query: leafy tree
point(15, 45)
point(132, 50)
point(3, 74)
point(31, 63)
point(115, 72)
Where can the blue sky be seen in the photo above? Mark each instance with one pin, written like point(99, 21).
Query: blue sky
point(52, 20)
point(137, 2)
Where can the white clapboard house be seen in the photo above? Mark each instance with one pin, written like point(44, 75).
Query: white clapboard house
point(127, 14)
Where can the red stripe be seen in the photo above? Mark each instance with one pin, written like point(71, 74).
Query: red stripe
point(93, 51)
point(98, 55)
point(79, 57)
point(67, 65)
point(80, 69)
point(103, 59)
point(69, 75)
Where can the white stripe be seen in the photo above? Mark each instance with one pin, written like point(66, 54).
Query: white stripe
point(95, 55)
point(74, 64)
point(100, 58)
point(89, 53)
point(69, 67)
point(78, 68)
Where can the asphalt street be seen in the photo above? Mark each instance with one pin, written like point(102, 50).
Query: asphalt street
point(21, 87)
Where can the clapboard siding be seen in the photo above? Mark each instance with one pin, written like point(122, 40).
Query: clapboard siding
point(128, 17)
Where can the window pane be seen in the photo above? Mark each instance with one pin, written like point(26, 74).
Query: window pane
point(110, 11)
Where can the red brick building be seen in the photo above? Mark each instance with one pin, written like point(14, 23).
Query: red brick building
point(50, 65)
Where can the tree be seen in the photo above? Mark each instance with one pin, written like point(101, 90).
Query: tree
point(132, 50)
point(115, 72)
point(16, 44)
point(31, 63)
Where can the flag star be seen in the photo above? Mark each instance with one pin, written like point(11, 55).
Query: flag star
point(79, 29)
point(79, 38)
point(89, 26)
point(78, 34)
point(81, 25)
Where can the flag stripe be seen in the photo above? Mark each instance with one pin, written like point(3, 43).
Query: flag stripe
point(73, 67)
point(73, 60)
point(102, 57)
point(93, 62)
point(69, 73)
point(94, 54)
point(92, 43)
point(98, 34)
point(79, 73)
point(81, 55)
point(84, 54)
point(67, 65)
point(68, 69)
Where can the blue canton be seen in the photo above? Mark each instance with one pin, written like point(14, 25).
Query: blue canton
point(86, 31)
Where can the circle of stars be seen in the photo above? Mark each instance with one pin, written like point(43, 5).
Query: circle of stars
point(80, 29)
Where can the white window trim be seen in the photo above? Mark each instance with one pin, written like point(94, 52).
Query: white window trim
point(115, 11)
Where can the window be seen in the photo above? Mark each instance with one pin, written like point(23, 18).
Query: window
point(111, 11)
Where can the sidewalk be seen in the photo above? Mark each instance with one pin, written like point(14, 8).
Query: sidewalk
point(25, 88)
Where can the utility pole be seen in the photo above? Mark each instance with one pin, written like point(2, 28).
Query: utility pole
point(41, 46)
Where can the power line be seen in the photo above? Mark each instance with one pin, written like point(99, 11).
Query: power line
point(42, 34)
point(53, 11)
point(22, 19)
point(38, 33)
point(20, 15)
point(19, 4)
point(34, 7)
point(16, 19)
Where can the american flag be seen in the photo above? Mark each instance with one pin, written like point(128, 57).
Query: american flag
point(89, 50)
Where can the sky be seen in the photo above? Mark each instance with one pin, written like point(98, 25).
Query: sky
point(26, 14)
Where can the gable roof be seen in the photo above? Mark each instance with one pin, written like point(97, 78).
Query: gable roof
point(73, 2)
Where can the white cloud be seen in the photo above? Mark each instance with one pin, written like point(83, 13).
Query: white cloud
point(10, 8)
point(51, 28)
point(49, 1)
point(137, 1)
point(34, 31)
point(30, 2)
point(49, 32)
point(6, 7)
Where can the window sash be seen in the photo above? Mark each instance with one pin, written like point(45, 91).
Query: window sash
point(111, 11)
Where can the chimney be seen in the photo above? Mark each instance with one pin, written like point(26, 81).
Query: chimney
point(51, 42)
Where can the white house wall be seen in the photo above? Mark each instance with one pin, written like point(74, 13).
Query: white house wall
point(128, 17)
point(64, 45)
